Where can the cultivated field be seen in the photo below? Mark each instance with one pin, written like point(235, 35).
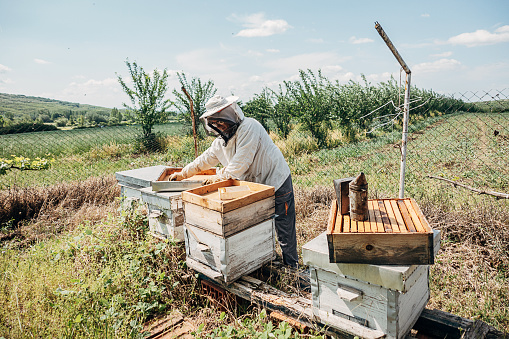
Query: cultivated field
point(76, 266)
point(74, 141)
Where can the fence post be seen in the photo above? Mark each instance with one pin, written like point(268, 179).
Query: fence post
point(406, 107)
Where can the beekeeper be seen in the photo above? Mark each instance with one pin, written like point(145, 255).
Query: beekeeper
point(247, 153)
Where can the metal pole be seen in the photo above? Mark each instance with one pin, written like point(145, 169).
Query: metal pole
point(406, 107)
point(404, 137)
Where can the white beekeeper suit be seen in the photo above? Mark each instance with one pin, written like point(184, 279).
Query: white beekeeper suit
point(247, 153)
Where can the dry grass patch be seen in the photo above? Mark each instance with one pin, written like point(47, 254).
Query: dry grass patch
point(33, 213)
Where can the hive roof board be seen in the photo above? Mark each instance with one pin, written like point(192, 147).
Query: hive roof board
point(139, 177)
point(396, 232)
point(396, 277)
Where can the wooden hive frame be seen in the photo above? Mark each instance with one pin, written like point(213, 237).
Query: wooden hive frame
point(396, 233)
point(208, 195)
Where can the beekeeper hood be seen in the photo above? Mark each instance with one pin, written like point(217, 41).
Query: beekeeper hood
point(223, 117)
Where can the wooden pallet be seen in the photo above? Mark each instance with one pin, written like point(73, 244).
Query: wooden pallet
point(396, 232)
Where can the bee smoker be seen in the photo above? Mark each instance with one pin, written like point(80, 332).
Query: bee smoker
point(358, 192)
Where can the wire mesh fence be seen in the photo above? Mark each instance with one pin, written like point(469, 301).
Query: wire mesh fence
point(467, 143)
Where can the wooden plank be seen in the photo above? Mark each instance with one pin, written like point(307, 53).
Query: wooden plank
point(346, 223)
point(378, 218)
point(372, 220)
point(385, 219)
point(415, 218)
point(353, 225)
point(339, 223)
point(382, 249)
point(406, 217)
point(440, 324)
point(332, 217)
point(424, 221)
point(360, 226)
point(399, 217)
point(391, 216)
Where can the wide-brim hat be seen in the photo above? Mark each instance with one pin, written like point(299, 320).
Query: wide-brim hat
point(217, 103)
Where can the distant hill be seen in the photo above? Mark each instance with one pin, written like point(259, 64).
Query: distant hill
point(16, 106)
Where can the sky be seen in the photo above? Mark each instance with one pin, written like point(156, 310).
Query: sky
point(73, 50)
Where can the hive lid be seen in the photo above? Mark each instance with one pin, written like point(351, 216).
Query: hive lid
point(316, 253)
point(148, 191)
point(140, 177)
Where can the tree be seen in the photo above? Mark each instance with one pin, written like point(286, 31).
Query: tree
point(147, 97)
point(283, 109)
point(260, 108)
point(200, 93)
point(115, 116)
point(315, 104)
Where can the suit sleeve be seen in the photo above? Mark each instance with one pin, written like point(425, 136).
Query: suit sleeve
point(205, 161)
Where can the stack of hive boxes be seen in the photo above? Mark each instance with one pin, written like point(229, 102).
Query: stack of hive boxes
point(371, 278)
point(162, 198)
point(229, 228)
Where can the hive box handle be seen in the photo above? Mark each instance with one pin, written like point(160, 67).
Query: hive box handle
point(349, 293)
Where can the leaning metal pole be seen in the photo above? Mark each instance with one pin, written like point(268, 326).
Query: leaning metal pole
point(406, 107)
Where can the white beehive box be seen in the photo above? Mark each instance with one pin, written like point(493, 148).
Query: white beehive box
point(228, 258)
point(385, 298)
point(131, 181)
point(165, 213)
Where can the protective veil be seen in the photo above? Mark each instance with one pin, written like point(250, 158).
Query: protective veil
point(249, 154)
point(227, 115)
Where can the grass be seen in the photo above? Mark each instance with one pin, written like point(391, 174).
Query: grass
point(84, 269)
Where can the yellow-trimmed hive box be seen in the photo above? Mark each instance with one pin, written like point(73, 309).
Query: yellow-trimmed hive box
point(396, 233)
point(229, 228)
point(204, 208)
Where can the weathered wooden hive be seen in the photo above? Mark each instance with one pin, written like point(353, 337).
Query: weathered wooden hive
point(163, 198)
point(365, 299)
point(396, 232)
point(226, 239)
point(165, 213)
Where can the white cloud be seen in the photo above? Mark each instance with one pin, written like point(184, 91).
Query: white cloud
point(4, 69)
point(442, 55)
point(273, 50)
point(257, 26)
point(357, 41)
point(425, 15)
point(481, 37)
point(380, 77)
point(436, 66)
point(41, 62)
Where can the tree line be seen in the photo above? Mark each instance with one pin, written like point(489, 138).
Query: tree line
point(313, 102)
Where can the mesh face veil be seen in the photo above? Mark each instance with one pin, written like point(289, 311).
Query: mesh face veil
point(223, 123)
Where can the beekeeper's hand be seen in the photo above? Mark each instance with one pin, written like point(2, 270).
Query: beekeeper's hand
point(177, 176)
point(212, 179)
